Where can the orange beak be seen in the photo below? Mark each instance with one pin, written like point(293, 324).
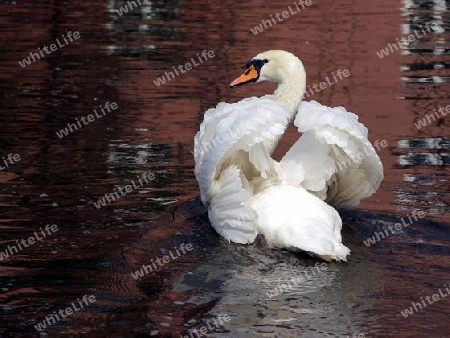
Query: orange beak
point(250, 75)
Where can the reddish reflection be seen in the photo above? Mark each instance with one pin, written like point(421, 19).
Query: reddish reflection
point(117, 59)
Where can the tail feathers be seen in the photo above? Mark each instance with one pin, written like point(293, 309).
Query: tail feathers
point(314, 237)
point(318, 240)
point(231, 219)
point(290, 217)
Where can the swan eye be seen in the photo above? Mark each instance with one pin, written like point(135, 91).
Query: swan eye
point(266, 61)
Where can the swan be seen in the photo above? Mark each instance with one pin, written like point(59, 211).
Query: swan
point(290, 202)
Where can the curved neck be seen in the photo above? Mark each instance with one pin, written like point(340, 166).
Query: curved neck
point(291, 89)
point(290, 92)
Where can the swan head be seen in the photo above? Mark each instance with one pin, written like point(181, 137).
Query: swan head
point(274, 66)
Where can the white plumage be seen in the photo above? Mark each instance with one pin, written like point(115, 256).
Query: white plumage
point(249, 193)
point(339, 163)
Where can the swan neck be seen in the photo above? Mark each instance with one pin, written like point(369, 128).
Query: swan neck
point(290, 92)
point(291, 89)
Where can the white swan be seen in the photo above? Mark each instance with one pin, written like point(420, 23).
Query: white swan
point(249, 193)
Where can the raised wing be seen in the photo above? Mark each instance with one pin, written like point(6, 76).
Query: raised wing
point(333, 159)
point(231, 153)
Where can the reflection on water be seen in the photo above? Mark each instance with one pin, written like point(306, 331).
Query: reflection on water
point(275, 292)
point(425, 62)
point(57, 181)
point(440, 158)
point(142, 30)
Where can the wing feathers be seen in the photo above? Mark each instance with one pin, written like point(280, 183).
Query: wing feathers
point(230, 153)
point(336, 160)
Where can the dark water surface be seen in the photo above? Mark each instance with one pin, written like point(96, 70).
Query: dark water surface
point(95, 250)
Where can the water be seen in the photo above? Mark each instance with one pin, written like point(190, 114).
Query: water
point(95, 251)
